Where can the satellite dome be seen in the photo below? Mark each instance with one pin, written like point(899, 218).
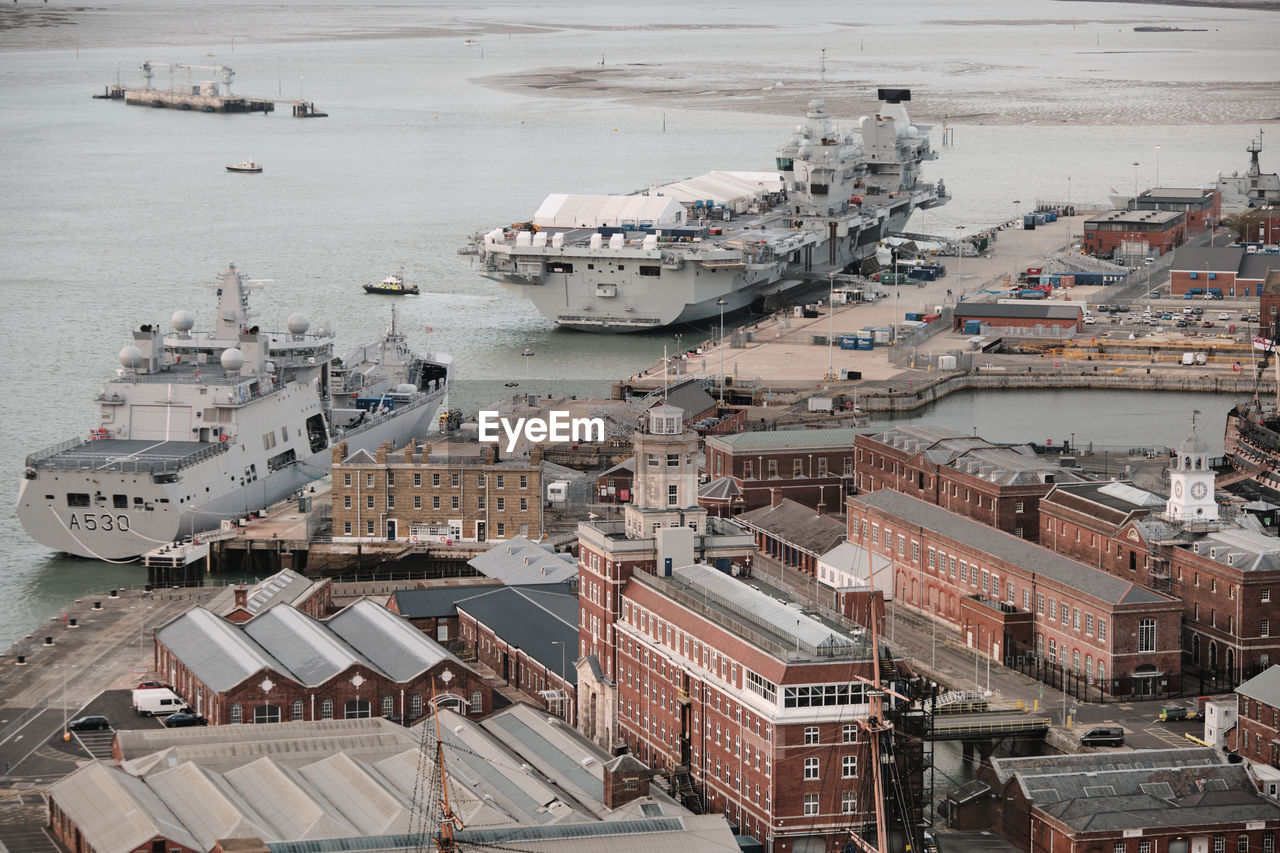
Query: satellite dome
point(298, 323)
point(232, 359)
point(130, 356)
point(183, 320)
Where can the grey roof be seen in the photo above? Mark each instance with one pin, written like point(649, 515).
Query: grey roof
point(1193, 445)
point(691, 398)
point(341, 784)
point(1050, 765)
point(1029, 311)
point(1264, 687)
point(720, 489)
point(1142, 216)
point(796, 524)
point(311, 652)
point(1258, 265)
point(1045, 563)
point(1249, 550)
point(1203, 258)
point(215, 650)
point(784, 439)
point(520, 561)
point(395, 647)
point(533, 620)
point(1007, 465)
point(284, 586)
point(438, 601)
point(1174, 194)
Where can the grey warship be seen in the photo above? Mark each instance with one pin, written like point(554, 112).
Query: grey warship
point(670, 254)
point(198, 427)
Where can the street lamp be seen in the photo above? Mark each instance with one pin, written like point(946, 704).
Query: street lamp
point(1017, 226)
point(561, 644)
point(1136, 164)
point(959, 258)
point(721, 303)
point(831, 315)
point(1157, 165)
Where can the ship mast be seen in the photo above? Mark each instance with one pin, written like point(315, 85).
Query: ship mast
point(448, 820)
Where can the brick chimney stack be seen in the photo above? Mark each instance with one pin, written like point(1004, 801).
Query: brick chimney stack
point(339, 452)
point(775, 496)
point(242, 597)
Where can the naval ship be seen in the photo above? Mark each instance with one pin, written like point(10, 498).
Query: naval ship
point(683, 252)
point(198, 427)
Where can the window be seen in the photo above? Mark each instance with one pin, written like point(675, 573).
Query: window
point(1118, 847)
point(391, 501)
point(266, 714)
point(1075, 618)
point(453, 502)
point(502, 504)
point(810, 804)
point(346, 528)
point(849, 734)
point(417, 480)
point(237, 714)
point(1219, 844)
point(296, 710)
point(1269, 842)
point(902, 545)
point(915, 552)
point(797, 468)
point(848, 766)
point(773, 469)
point(810, 768)
point(477, 702)
point(1144, 846)
point(524, 481)
point(1040, 604)
point(673, 495)
point(346, 479)
point(1053, 650)
point(435, 479)
point(1242, 844)
point(326, 709)
point(1266, 596)
point(453, 480)
point(524, 504)
point(368, 480)
point(388, 706)
point(501, 480)
point(368, 501)
point(933, 559)
point(368, 531)
point(415, 706)
point(1088, 624)
point(391, 478)
point(1264, 628)
point(1146, 635)
point(848, 802)
point(1053, 609)
point(1065, 615)
point(417, 501)
point(1102, 628)
point(1075, 660)
point(346, 501)
point(810, 734)
point(356, 709)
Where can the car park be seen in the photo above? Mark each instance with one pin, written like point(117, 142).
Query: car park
point(91, 723)
point(1103, 736)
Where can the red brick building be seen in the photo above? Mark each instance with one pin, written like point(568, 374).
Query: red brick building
point(285, 665)
point(1009, 597)
point(1161, 230)
point(1258, 723)
point(997, 485)
point(1200, 207)
point(1147, 801)
point(1230, 271)
point(1092, 522)
point(240, 603)
point(793, 534)
point(761, 712)
point(812, 467)
point(433, 607)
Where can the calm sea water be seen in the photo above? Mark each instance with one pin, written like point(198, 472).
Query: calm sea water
point(116, 216)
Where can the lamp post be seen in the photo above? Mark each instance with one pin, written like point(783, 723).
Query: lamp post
point(831, 316)
point(1136, 164)
point(1017, 226)
point(721, 303)
point(959, 258)
point(560, 643)
point(1157, 165)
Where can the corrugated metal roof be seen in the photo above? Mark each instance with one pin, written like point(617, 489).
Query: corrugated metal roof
point(1030, 311)
point(520, 561)
point(308, 648)
point(1078, 576)
point(786, 438)
point(114, 811)
point(218, 652)
point(579, 768)
point(396, 647)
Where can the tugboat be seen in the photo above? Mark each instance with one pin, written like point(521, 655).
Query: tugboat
point(392, 284)
point(200, 426)
point(247, 166)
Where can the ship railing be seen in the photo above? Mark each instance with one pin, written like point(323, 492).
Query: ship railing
point(400, 408)
point(53, 450)
point(122, 463)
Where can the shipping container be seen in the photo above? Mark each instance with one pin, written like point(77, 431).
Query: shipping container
point(973, 327)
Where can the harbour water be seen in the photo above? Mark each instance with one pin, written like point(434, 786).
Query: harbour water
point(118, 216)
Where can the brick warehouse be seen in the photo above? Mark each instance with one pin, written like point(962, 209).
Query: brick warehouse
point(1202, 208)
point(812, 467)
point(1230, 270)
point(407, 493)
point(1026, 316)
point(1258, 720)
point(1161, 230)
point(756, 704)
point(1009, 597)
point(284, 665)
point(997, 485)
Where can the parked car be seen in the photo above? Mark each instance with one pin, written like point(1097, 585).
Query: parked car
point(1181, 324)
point(1224, 316)
point(153, 685)
point(183, 719)
point(1089, 321)
point(92, 723)
point(1103, 736)
point(1207, 324)
point(1170, 713)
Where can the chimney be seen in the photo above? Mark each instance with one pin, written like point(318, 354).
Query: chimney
point(775, 496)
point(242, 598)
point(383, 450)
point(535, 455)
point(339, 452)
point(408, 451)
point(489, 453)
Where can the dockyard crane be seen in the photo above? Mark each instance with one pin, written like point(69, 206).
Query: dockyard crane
point(148, 70)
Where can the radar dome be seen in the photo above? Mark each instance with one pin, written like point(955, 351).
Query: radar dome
point(912, 130)
point(183, 320)
point(298, 323)
point(130, 356)
point(232, 359)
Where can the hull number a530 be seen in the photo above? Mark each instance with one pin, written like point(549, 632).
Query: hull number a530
point(100, 521)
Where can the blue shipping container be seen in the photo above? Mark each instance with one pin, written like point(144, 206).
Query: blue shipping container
point(973, 327)
point(848, 343)
point(866, 343)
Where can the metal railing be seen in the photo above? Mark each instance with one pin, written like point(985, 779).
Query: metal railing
point(127, 464)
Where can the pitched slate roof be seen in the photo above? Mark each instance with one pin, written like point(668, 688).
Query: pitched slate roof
point(541, 622)
point(785, 439)
point(1005, 546)
point(796, 524)
point(438, 601)
point(395, 647)
point(1030, 311)
point(1264, 687)
point(284, 586)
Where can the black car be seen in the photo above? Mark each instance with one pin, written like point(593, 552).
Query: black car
point(93, 723)
point(182, 719)
point(1103, 736)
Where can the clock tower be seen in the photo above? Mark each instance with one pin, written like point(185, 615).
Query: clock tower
point(1191, 483)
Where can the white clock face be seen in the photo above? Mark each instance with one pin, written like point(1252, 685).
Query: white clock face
point(1177, 488)
point(1199, 490)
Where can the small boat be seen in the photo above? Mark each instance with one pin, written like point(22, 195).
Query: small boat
point(393, 284)
point(470, 42)
point(246, 166)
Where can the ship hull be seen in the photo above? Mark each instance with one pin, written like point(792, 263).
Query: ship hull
point(156, 514)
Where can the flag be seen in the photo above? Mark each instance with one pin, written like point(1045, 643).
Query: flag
point(1115, 191)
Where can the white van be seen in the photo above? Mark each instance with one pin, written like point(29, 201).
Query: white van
point(1188, 358)
point(156, 701)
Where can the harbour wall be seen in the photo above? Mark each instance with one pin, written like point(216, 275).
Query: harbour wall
point(912, 396)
